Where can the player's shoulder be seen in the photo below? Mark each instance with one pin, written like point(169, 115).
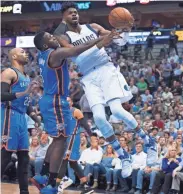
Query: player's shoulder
point(9, 75)
point(9, 72)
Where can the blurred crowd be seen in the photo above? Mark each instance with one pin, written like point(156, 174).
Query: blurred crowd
point(157, 104)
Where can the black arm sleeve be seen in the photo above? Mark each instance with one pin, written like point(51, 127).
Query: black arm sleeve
point(5, 93)
point(84, 124)
point(61, 29)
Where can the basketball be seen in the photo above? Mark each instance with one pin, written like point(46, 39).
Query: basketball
point(121, 18)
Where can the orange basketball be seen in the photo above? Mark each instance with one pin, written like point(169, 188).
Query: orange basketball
point(120, 18)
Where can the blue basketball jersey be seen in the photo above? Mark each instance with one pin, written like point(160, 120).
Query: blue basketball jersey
point(19, 104)
point(55, 80)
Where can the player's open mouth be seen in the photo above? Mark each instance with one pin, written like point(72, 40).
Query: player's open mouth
point(74, 19)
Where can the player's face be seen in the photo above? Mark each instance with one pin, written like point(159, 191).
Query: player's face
point(71, 16)
point(50, 41)
point(21, 56)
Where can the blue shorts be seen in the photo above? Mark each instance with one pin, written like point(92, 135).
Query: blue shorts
point(14, 133)
point(56, 115)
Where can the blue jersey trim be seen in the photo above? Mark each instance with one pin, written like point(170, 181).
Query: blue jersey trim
point(93, 30)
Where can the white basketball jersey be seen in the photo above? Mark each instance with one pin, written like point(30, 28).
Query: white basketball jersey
point(87, 60)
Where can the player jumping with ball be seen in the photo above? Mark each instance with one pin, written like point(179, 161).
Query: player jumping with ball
point(102, 82)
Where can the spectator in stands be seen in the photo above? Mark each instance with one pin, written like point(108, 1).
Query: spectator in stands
point(123, 141)
point(102, 143)
point(177, 178)
point(173, 57)
point(142, 85)
point(169, 163)
point(162, 146)
point(134, 91)
point(76, 92)
point(172, 124)
point(148, 171)
point(36, 162)
point(158, 122)
point(106, 168)
point(177, 90)
point(149, 45)
point(157, 74)
point(151, 81)
point(72, 73)
point(34, 133)
point(34, 145)
point(166, 72)
point(146, 96)
point(83, 144)
point(90, 160)
point(138, 163)
point(173, 39)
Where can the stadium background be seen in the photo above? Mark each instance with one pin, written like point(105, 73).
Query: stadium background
point(21, 20)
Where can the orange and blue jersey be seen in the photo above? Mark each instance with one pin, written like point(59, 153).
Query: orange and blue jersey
point(14, 134)
point(53, 104)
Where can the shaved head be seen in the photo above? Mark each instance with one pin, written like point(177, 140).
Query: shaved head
point(19, 55)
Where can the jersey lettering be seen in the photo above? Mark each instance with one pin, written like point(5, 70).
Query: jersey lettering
point(41, 61)
point(84, 40)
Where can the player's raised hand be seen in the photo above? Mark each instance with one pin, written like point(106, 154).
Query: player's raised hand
point(108, 39)
point(32, 86)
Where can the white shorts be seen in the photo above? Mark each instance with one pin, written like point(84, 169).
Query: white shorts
point(105, 83)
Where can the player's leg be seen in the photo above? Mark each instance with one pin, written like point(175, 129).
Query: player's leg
point(121, 114)
point(83, 179)
point(23, 162)
point(8, 137)
point(5, 159)
point(106, 129)
point(41, 180)
point(62, 170)
point(56, 159)
point(46, 164)
point(22, 154)
point(62, 181)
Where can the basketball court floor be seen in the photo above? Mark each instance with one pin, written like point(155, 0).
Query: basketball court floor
point(7, 188)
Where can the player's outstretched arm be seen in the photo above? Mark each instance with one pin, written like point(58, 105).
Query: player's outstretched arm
point(57, 56)
point(99, 29)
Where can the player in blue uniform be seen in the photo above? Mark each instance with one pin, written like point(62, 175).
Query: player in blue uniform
point(15, 89)
point(72, 153)
point(54, 107)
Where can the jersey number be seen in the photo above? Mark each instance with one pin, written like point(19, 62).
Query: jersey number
point(27, 101)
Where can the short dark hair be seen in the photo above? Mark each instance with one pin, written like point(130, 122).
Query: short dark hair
point(39, 40)
point(68, 4)
point(94, 135)
point(139, 143)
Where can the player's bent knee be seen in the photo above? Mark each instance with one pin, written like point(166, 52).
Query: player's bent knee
point(99, 119)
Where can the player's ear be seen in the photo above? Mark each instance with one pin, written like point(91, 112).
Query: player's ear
point(14, 56)
point(45, 46)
